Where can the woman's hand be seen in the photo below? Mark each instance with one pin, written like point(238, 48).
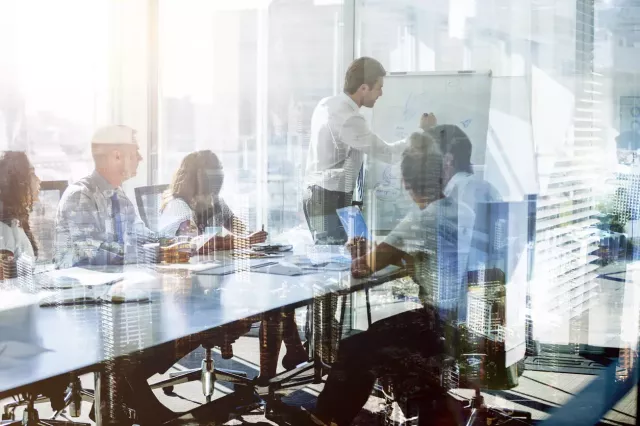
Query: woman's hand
point(258, 237)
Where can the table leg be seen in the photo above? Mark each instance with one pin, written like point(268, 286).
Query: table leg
point(110, 408)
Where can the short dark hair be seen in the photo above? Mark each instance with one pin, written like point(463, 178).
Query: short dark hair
point(453, 140)
point(421, 166)
point(363, 70)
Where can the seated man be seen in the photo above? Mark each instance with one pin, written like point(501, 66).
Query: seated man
point(431, 241)
point(96, 223)
point(460, 181)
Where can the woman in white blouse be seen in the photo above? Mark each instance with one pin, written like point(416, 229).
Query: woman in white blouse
point(193, 203)
point(19, 189)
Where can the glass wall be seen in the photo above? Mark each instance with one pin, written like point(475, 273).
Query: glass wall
point(245, 88)
point(547, 90)
point(54, 82)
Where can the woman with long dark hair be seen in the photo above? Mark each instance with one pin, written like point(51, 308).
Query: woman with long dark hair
point(19, 189)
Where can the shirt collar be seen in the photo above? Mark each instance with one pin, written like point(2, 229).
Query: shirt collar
point(454, 182)
point(350, 101)
point(102, 184)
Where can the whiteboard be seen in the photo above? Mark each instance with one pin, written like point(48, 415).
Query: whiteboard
point(461, 98)
point(510, 162)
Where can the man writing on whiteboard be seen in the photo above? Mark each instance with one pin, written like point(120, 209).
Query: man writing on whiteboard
point(340, 137)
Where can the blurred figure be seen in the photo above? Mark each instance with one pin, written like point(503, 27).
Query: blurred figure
point(340, 136)
point(190, 206)
point(193, 203)
point(457, 173)
point(407, 347)
point(19, 190)
point(96, 223)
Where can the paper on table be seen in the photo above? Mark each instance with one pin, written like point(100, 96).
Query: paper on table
point(195, 267)
point(85, 277)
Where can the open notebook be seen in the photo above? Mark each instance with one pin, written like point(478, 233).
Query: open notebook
point(86, 287)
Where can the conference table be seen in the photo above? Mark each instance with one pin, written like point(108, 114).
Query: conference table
point(182, 304)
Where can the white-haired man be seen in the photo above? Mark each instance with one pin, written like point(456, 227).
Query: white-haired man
point(95, 220)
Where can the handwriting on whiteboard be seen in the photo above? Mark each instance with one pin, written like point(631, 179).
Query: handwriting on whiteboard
point(466, 123)
point(386, 193)
point(413, 105)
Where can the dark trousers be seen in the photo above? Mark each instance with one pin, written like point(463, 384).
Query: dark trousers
point(319, 207)
point(408, 348)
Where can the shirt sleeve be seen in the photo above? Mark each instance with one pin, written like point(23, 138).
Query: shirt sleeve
point(80, 238)
point(175, 213)
point(357, 134)
point(403, 232)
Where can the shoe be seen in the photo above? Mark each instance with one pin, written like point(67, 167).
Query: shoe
point(292, 360)
point(262, 381)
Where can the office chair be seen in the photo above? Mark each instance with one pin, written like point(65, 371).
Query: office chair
point(43, 217)
point(474, 358)
point(60, 399)
point(149, 199)
point(207, 374)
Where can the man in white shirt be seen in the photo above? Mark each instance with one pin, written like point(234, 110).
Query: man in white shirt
point(340, 136)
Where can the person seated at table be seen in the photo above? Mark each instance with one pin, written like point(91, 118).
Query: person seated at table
point(96, 223)
point(431, 242)
point(19, 190)
point(193, 203)
point(460, 181)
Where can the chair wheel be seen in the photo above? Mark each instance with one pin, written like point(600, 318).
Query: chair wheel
point(168, 390)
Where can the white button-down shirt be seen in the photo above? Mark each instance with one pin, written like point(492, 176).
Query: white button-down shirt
point(340, 136)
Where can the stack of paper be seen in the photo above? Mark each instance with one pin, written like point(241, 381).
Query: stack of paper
point(83, 277)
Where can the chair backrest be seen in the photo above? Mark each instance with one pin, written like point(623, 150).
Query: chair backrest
point(43, 217)
point(149, 200)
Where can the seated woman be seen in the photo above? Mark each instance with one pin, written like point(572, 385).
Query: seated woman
point(193, 203)
point(19, 189)
point(431, 243)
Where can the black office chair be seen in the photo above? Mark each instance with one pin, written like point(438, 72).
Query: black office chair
point(61, 399)
point(474, 359)
point(43, 216)
point(149, 200)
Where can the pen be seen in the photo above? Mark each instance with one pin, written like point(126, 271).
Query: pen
point(263, 227)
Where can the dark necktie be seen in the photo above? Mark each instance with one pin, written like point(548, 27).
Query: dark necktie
point(117, 217)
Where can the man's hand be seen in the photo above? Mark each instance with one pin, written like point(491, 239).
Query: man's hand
point(427, 121)
point(357, 247)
